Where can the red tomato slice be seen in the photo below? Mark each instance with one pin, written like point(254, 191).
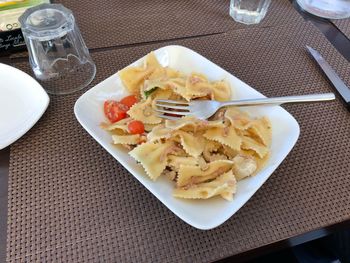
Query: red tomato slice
point(136, 127)
point(129, 100)
point(114, 110)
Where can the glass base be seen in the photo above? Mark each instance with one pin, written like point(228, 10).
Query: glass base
point(248, 12)
point(246, 17)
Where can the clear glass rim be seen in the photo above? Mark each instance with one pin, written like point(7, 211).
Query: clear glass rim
point(80, 87)
point(323, 15)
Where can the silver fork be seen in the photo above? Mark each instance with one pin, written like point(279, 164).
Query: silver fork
point(203, 109)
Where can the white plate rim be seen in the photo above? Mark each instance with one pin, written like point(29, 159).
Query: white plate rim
point(35, 116)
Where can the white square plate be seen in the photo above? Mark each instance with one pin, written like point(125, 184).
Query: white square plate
point(202, 214)
point(22, 102)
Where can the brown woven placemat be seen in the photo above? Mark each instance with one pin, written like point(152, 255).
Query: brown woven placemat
point(343, 25)
point(108, 23)
point(70, 201)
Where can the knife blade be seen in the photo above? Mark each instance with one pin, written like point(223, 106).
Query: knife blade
point(337, 82)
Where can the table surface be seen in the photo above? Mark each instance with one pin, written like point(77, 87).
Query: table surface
point(339, 41)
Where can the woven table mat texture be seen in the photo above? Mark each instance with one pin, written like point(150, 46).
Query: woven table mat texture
point(70, 201)
point(111, 23)
point(343, 25)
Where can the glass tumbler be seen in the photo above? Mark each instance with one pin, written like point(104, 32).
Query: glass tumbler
point(57, 53)
point(332, 9)
point(249, 11)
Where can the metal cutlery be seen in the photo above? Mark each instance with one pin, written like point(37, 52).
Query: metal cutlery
point(203, 109)
point(338, 84)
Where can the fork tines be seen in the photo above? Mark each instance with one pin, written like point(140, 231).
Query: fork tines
point(172, 109)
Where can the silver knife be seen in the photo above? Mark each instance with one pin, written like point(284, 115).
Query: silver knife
point(340, 86)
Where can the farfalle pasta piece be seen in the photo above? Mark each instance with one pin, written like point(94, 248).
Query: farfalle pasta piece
point(175, 161)
point(143, 111)
point(203, 125)
point(159, 132)
point(189, 175)
point(216, 157)
point(250, 144)
point(157, 89)
point(193, 145)
point(158, 73)
point(226, 136)
point(149, 127)
point(152, 156)
point(192, 123)
point(197, 85)
point(211, 151)
point(211, 146)
point(160, 95)
point(224, 185)
point(261, 129)
point(172, 73)
point(237, 118)
point(170, 174)
point(244, 166)
point(229, 152)
point(260, 162)
point(181, 123)
point(203, 165)
point(175, 96)
point(151, 61)
point(178, 86)
point(151, 86)
point(131, 139)
point(133, 78)
point(221, 91)
point(120, 125)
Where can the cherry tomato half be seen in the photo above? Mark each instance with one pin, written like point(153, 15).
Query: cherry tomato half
point(136, 127)
point(114, 110)
point(129, 100)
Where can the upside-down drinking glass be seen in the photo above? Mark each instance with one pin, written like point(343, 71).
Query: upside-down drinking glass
point(249, 11)
point(57, 53)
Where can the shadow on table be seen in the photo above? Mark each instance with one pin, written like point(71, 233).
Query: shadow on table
point(334, 248)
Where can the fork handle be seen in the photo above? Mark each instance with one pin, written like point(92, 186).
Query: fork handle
point(280, 100)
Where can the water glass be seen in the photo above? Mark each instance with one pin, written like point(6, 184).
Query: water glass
point(333, 9)
point(57, 53)
point(248, 11)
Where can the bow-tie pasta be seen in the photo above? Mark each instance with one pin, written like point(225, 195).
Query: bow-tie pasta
point(203, 158)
